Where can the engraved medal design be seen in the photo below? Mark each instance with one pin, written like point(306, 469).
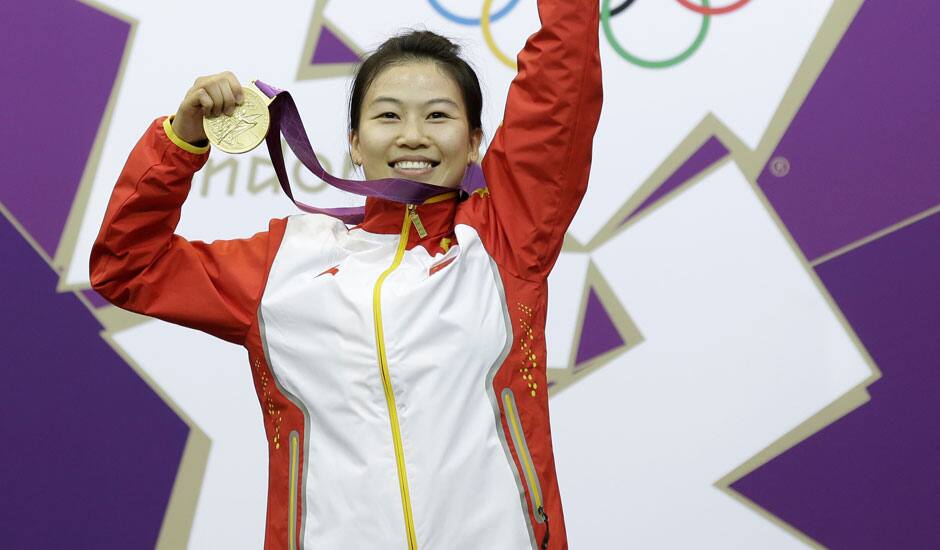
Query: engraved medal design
point(245, 129)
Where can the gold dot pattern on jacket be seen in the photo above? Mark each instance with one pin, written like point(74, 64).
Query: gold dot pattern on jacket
point(529, 360)
point(269, 404)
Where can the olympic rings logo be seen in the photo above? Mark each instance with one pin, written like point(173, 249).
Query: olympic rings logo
point(487, 17)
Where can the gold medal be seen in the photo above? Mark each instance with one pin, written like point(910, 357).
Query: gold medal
point(246, 128)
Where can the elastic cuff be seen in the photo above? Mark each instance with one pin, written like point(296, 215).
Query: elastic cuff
point(186, 146)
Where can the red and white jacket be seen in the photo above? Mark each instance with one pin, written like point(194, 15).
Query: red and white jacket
point(400, 364)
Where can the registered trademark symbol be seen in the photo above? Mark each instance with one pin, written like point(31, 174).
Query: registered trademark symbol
point(780, 166)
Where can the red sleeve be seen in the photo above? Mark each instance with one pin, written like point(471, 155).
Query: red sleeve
point(538, 163)
point(139, 264)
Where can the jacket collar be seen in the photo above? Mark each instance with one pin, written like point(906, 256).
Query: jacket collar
point(436, 215)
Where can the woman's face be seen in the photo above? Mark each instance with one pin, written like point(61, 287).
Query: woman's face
point(413, 125)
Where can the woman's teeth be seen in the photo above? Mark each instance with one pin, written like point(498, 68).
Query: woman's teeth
point(413, 165)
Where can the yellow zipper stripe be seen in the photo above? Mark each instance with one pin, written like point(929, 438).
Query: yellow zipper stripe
point(386, 381)
point(522, 449)
point(292, 505)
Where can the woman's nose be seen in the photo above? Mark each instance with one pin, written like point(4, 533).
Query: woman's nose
point(412, 135)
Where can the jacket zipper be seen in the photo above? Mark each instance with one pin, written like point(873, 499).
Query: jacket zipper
point(522, 451)
point(292, 504)
point(413, 214)
point(410, 216)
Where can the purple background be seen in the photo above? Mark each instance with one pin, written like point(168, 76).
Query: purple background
point(863, 157)
point(59, 60)
point(90, 452)
point(863, 148)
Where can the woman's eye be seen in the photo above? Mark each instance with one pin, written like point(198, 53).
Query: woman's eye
point(437, 114)
point(388, 115)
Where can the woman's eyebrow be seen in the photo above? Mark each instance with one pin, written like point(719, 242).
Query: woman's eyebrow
point(387, 99)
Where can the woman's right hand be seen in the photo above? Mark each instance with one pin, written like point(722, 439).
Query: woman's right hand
point(209, 96)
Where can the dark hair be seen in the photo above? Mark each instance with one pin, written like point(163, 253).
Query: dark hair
point(418, 46)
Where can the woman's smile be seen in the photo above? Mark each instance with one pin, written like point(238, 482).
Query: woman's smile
point(413, 166)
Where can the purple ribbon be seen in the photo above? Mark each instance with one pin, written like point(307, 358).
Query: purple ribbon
point(285, 119)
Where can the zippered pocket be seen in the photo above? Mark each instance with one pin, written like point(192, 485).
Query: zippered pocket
point(528, 466)
point(292, 493)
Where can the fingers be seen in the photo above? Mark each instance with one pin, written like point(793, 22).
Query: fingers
point(205, 101)
point(209, 96)
point(236, 87)
point(228, 97)
point(217, 94)
point(214, 89)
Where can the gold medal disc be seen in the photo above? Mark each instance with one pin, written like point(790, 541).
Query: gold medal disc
point(246, 128)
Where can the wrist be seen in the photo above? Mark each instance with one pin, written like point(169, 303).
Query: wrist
point(195, 148)
point(193, 136)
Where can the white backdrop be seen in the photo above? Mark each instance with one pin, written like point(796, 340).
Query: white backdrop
point(740, 345)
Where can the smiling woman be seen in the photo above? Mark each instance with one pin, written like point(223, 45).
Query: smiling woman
point(417, 129)
point(399, 364)
point(415, 111)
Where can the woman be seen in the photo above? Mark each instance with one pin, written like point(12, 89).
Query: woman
point(400, 364)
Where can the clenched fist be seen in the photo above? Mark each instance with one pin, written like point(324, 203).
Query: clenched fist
point(209, 96)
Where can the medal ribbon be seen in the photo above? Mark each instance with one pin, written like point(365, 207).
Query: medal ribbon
point(285, 119)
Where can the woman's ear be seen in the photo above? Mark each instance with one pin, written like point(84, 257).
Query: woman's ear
point(476, 138)
point(354, 151)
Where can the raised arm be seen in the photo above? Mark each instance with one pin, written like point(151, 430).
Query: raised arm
point(538, 164)
point(139, 264)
